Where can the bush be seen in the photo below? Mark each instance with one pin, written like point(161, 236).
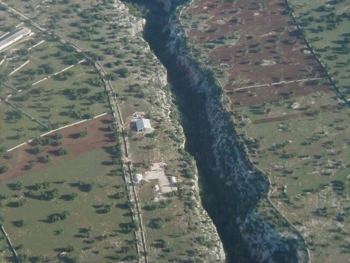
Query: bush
point(50, 195)
point(62, 151)
point(70, 248)
point(4, 169)
point(3, 149)
point(19, 223)
point(48, 158)
point(157, 223)
point(123, 72)
point(38, 150)
point(83, 134)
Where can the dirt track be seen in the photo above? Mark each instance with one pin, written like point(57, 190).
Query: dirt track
point(98, 136)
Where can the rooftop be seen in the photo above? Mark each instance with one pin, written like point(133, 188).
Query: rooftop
point(142, 124)
point(14, 36)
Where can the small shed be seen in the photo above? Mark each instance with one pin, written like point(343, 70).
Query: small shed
point(173, 179)
point(143, 125)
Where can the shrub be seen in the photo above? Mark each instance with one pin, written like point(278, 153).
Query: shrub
point(62, 151)
point(4, 169)
point(38, 150)
point(83, 134)
point(48, 158)
point(157, 223)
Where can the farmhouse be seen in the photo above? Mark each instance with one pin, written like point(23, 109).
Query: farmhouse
point(13, 37)
point(143, 125)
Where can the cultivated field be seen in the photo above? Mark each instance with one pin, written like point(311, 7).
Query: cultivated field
point(78, 139)
point(326, 26)
point(294, 126)
point(52, 86)
point(97, 225)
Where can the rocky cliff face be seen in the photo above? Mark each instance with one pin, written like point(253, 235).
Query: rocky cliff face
point(240, 188)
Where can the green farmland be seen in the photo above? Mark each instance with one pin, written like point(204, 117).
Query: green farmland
point(326, 26)
point(74, 94)
point(97, 227)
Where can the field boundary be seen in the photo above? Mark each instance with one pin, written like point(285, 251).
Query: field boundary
point(277, 83)
point(47, 133)
point(25, 113)
point(21, 66)
point(10, 244)
point(113, 105)
point(336, 88)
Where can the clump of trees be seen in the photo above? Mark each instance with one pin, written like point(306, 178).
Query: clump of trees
point(53, 140)
point(160, 204)
point(86, 187)
point(118, 195)
point(60, 216)
point(50, 195)
point(157, 223)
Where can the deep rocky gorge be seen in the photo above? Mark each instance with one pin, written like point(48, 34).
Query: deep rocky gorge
point(234, 192)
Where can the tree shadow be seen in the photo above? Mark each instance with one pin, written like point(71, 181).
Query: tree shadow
point(66, 197)
point(122, 206)
point(13, 204)
point(74, 136)
point(60, 249)
point(107, 163)
point(13, 186)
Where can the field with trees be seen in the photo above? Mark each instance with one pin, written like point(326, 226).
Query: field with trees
point(325, 25)
point(293, 121)
point(39, 97)
point(105, 45)
point(75, 212)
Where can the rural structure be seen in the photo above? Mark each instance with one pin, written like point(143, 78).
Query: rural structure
point(13, 37)
point(143, 125)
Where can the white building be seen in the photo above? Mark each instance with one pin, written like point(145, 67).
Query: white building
point(138, 178)
point(172, 179)
point(14, 37)
point(143, 125)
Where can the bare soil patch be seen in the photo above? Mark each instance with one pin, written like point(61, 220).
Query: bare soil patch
point(246, 34)
point(98, 136)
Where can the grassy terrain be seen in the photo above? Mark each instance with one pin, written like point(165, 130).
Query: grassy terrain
point(294, 126)
point(171, 230)
point(97, 227)
point(326, 25)
point(108, 34)
point(4, 251)
point(72, 95)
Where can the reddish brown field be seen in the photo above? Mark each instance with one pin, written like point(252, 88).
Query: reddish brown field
point(98, 136)
point(264, 33)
